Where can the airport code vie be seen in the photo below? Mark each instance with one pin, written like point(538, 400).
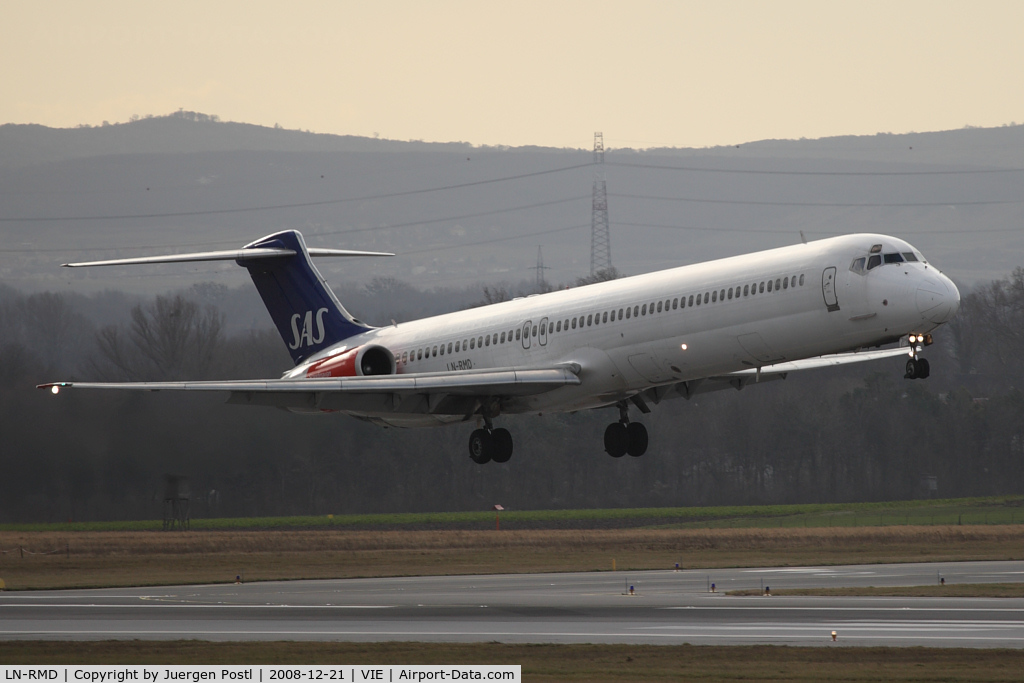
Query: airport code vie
point(119, 673)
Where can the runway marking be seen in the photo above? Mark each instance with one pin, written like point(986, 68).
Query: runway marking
point(558, 634)
point(209, 605)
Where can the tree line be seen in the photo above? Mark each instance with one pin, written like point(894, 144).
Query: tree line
point(854, 433)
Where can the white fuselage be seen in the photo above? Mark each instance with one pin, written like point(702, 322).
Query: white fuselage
point(631, 334)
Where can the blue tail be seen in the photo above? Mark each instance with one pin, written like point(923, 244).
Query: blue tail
point(305, 310)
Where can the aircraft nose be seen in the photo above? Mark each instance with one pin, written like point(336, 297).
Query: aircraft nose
point(938, 299)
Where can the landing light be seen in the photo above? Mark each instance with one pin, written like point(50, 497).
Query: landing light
point(913, 338)
point(683, 347)
point(54, 389)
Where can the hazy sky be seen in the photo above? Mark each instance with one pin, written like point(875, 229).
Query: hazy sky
point(523, 72)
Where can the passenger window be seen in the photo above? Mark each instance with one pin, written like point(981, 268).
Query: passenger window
point(714, 297)
point(604, 318)
point(690, 300)
point(636, 311)
point(659, 307)
point(590, 319)
point(729, 293)
point(706, 297)
point(472, 343)
point(449, 347)
point(533, 333)
point(801, 280)
point(746, 290)
point(612, 318)
point(629, 311)
point(518, 334)
point(456, 347)
point(666, 304)
point(487, 340)
point(769, 285)
point(405, 356)
point(419, 354)
point(760, 289)
point(874, 261)
point(558, 327)
point(442, 349)
point(777, 282)
point(620, 313)
point(574, 323)
point(675, 304)
point(502, 337)
point(785, 283)
point(643, 311)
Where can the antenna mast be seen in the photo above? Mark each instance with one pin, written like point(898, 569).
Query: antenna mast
point(600, 237)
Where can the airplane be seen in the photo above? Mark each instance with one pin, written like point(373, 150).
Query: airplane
point(625, 343)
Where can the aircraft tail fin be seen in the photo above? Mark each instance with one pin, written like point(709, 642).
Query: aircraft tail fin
point(307, 314)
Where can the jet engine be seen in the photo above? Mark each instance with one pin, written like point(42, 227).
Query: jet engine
point(370, 359)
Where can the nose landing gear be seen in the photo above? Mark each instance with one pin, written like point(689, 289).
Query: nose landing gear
point(624, 436)
point(917, 368)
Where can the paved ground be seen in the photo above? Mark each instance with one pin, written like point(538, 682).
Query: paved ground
point(666, 607)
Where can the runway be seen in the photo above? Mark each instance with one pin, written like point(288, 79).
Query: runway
point(667, 607)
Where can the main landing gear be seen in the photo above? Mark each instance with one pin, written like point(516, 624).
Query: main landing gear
point(490, 444)
point(624, 436)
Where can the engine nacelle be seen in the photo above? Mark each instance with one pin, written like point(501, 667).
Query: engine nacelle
point(358, 362)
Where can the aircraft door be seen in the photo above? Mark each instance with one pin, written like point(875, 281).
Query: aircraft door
point(542, 337)
point(828, 288)
point(526, 333)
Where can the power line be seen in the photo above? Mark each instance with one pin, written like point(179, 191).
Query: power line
point(833, 204)
point(294, 205)
point(705, 169)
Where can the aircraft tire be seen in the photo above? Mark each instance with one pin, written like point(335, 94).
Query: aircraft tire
point(501, 442)
point(923, 368)
point(481, 446)
point(911, 369)
point(637, 439)
point(616, 439)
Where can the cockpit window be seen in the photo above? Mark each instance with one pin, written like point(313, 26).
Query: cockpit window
point(893, 258)
point(909, 255)
point(874, 261)
point(858, 265)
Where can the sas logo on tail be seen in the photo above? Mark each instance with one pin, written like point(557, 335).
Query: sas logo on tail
point(312, 329)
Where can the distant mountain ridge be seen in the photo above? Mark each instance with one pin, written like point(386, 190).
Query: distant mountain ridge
point(186, 131)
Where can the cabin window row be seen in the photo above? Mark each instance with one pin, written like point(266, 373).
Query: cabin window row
point(589, 320)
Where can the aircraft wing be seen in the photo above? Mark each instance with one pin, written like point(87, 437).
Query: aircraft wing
point(445, 393)
point(741, 378)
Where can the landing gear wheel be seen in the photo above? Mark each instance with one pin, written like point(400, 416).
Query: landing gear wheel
point(911, 369)
point(481, 446)
point(637, 439)
point(616, 439)
point(501, 443)
point(918, 368)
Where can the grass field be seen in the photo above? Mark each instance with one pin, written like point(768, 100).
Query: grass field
point(960, 511)
point(92, 559)
point(598, 663)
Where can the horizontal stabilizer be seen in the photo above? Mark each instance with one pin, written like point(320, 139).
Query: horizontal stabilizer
point(229, 255)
